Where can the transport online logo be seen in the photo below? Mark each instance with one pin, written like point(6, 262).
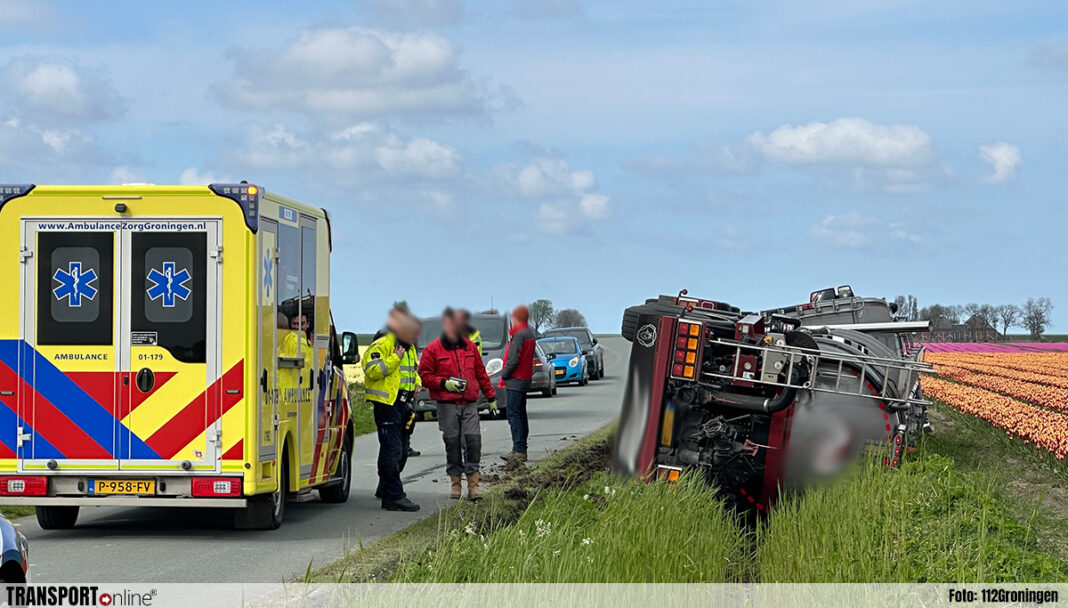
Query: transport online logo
point(75, 284)
point(169, 284)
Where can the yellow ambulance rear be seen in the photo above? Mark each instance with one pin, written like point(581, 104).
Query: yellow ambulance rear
point(168, 346)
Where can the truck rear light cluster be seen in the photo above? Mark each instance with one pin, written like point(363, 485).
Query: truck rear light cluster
point(23, 486)
point(686, 363)
point(214, 487)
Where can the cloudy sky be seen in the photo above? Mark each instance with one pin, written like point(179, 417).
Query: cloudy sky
point(593, 153)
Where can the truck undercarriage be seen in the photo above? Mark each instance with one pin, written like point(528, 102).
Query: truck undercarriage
point(771, 401)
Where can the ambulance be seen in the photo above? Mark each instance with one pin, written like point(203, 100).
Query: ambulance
point(169, 346)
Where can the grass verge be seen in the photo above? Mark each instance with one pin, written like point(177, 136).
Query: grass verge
point(363, 416)
point(503, 504)
point(15, 511)
point(970, 505)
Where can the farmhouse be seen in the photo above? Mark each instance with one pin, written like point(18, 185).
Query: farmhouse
point(975, 329)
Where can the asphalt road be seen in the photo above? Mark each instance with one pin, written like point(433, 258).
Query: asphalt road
point(176, 545)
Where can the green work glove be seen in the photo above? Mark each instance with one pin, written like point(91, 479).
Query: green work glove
point(492, 405)
point(453, 386)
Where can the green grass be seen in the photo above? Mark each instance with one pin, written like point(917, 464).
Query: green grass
point(14, 512)
point(926, 522)
point(1045, 338)
point(363, 416)
point(604, 531)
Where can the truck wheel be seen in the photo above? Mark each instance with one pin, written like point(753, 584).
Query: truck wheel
point(56, 518)
point(339, 492)
point(266, 512)
point(630, 316)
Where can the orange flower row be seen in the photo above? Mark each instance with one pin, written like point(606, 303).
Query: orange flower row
point(1040, 394)
point(1045, 429)
point(1052, 377)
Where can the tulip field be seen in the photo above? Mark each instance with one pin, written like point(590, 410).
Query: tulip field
point(1021, 389)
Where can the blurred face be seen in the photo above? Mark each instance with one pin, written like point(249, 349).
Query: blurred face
point(449, 326)
point(300, 323)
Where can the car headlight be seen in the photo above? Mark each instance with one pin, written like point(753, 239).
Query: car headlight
point(573, 362)
point(494, 366)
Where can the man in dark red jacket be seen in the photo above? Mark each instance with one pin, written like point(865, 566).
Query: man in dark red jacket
point(452, 370)
point(515, 377)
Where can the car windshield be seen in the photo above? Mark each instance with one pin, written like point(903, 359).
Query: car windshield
point(491, 328)
point(581, 335)
point(558, 347)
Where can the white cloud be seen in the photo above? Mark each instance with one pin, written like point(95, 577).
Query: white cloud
point(25, 146)
point(567, 196)
point(441, 202)
point(547, 9)
point(893, 158)
point(852, 230)
point(846, 140)
point(417, 13)
point(345, 73)
point(192, 176)
point(1004, 160)
point(124, 175)
point(55, 90)
point(364, 149)
point(594, 206)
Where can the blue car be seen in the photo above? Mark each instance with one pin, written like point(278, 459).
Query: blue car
point(565, 353)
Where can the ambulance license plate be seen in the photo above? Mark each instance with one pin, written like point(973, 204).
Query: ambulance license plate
point(122, 486)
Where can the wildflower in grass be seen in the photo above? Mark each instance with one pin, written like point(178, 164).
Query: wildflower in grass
point(609, 491)
point(557, 552)
point(589, 559)
point(586, 541)
point(543, 528)
point(586, 497)
point(470, 528)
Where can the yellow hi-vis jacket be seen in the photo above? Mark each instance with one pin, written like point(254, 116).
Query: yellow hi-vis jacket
point(385, 374)
point(476, 338)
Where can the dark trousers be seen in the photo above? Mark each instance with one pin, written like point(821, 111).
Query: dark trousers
point(392, 449)
point(462, 436)
point(517, 419)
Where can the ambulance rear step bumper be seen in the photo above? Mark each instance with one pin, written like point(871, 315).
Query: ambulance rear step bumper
point(124, 501)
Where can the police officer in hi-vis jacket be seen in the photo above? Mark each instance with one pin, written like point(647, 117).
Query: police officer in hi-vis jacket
point(391, 380)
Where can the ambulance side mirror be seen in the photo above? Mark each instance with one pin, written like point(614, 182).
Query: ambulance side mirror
point(350, 351)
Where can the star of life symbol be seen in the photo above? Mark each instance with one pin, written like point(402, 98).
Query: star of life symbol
point(169, 284)
point(75, 284)
point(267, 279)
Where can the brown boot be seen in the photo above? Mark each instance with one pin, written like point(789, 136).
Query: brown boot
point(457, 487)
point(473, 493)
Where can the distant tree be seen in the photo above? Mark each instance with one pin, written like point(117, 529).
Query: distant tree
point(1036, 315)
point(569, 317)
point(938, 314)
point(490, 311)
point(402, 305)
point(914, 308)
point(541, 314)
point(1008, 316)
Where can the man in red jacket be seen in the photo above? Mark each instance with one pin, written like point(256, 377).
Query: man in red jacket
point(515, 378)
point(452, 370)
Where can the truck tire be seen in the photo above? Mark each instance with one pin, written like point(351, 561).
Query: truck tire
point(632, 314)
point(338, 492)
point(266, 512)
point(56, 518)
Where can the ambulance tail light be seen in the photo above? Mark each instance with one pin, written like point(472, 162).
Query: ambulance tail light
point(23, 486)
point(686, 360)
point(216, 487)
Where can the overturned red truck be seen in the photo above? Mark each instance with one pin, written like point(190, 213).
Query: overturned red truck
point(765, 402)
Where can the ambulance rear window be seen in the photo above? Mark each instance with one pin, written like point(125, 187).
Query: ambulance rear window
point(169, 299)
point(74, 288)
